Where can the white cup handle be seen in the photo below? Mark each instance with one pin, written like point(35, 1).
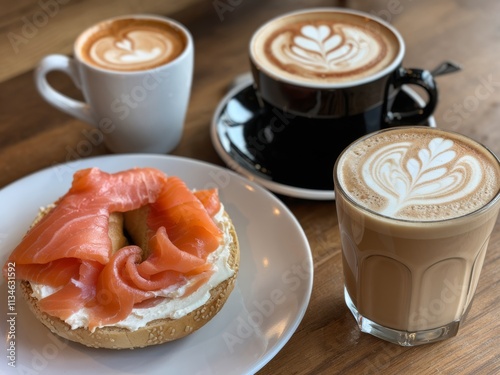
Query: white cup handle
point(73, 107)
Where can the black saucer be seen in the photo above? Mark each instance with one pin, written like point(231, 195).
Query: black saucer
point(241, 136)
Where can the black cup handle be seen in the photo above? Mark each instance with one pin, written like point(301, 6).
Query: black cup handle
point(419, 77)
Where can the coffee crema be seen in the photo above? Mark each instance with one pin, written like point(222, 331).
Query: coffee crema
point(324, 46)
point(419, 174)
point(131, 44)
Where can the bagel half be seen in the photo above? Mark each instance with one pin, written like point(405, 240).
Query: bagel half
point(155, 332)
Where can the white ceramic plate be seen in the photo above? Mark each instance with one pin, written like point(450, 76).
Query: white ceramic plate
point(269, 300)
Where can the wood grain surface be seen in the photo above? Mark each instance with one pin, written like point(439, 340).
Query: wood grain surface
point(34, 135)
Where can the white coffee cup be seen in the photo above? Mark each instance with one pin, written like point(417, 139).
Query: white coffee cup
point(135, 110)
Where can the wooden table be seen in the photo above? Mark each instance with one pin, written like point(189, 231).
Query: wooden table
point(34, 135)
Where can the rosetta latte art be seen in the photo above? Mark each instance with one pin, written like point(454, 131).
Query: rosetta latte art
point(337, 48)
point(437, 175)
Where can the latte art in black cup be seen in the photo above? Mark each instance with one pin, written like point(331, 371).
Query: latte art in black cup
point(335, 63)
point(324, 47)
point(334, 75)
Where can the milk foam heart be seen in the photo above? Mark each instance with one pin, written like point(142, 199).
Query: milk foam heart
point(137, 47)
point(131, 44)
point(419, 175)
point(324, 47)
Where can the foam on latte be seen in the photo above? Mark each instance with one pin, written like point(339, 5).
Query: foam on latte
point(131, 44)
point(419, 174)
point(324, 47)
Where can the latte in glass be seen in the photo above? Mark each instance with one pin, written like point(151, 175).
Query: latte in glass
point(416, 207)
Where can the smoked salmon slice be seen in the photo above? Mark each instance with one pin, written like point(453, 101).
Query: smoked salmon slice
point(184, 217)
point(70, 247)
point(74, 295)
point(210, 200)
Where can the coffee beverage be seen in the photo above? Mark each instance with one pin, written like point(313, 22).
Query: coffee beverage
point(131, 44)
point(334, 75)
point(416, 208)
point(135, 74)
point(419, 175)
point(324, 47)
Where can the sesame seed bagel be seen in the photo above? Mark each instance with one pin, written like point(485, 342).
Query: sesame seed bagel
point(155, 332)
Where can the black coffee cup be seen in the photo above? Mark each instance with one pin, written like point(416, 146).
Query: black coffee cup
point(308, 118)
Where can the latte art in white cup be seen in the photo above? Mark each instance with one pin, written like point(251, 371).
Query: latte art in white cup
point(135, 74)
point(130, 44)
point(136, 48)
point(324, 47)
